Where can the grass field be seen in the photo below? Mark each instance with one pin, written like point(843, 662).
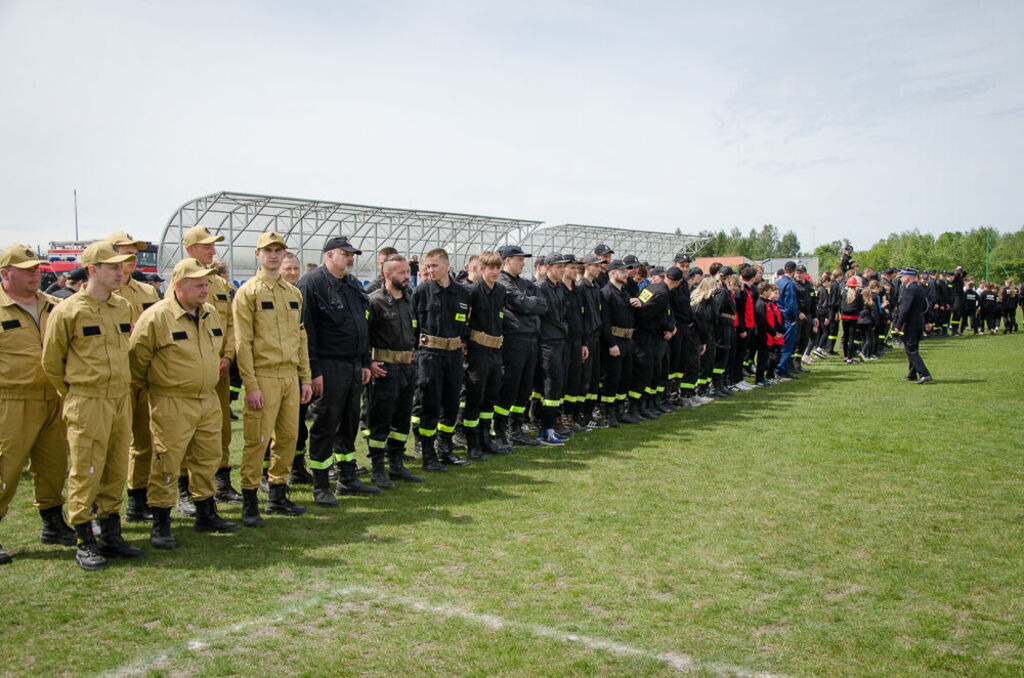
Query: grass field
point(846, 524)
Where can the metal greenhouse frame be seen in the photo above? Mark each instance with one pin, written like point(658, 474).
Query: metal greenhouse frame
point(307, 224)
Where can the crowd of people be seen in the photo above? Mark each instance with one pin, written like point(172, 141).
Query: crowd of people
point(112, 387)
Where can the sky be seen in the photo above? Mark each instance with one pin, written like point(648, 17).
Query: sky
point(834, 120)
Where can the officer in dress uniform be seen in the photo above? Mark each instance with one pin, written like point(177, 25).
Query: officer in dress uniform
point(270, 349)
point(914, 305)
point(140, 296)
point(85, 357)
point(30, 423)
point(200, 244)
point(176, 356)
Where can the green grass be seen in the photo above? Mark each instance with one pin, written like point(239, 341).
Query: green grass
point(846, 524)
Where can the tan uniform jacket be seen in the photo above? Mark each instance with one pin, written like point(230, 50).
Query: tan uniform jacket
point(21, 348)
point(172, 355)
point(139, 295)
point(269, 336)
point(220, 297)
point(85, 348)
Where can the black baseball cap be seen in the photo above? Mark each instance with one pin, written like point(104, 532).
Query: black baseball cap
point(558, 258)
point(617, 265)
point(725, 270)
point(341, 242)
point(658, 270)
point(77, 274)
point(674, 273)
point(512, 251)
point(591, 259)
point(801, 268)
point(603, 249)
point(681, 258)
point(631, 261)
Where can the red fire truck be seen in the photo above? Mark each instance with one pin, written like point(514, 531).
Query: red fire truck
point(64, 255)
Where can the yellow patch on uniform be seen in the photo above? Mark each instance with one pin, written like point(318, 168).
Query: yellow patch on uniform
point(645, 296)
point(460, 317)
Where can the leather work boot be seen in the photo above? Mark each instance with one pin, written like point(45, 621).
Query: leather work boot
point(55, 530)
point(397, 470)
point(430, 460)
point(379, 476)
point(112, 544)
point(473, 444)
point(348, 483)
point(208, 520)
point(322, 495)
point(279, 503)
point(251, 509)
point(137, 508)
point(160, 536)
point(299, 475)
point(226, 493)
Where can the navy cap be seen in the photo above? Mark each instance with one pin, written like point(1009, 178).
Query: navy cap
point(592, 259)
point(512, 251)
point(909, 270)
point(341, 242)
point(617, 265)
point(603, 249)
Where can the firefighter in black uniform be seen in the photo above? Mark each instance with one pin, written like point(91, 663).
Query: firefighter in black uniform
point(604, 253)
point(576, 351)
point(617, 327)
point(725, 312)
point(390, 393)
point(687, 344)
point(442, 312)
point(655, 327)
point(554, 331)
point(483, 359)
point(520, 327)
point(334, 311)
point(590, 379)
point(804, 319)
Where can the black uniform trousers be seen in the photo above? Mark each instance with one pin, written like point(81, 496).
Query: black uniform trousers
point(803, 335)
point(648, 350)
point(550, 382)
point(738, 355)
point(483, 385)
point(618, 371)
point(518, 362)
point(851, 338)
point(336, 415)
point(688, 365)
point(724, 336)
point(573, 375)
point(439, 374)
point(590, 379)
point(707, 361)
point(915, 364)
point(389, 407)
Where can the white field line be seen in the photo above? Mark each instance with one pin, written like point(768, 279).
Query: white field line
point(679, 661)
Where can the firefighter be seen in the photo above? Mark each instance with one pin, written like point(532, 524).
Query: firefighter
point(617, 327)
point(30, 422)
point(554, 331)
point(85, 357)
point(589, 414)
point(483, 359)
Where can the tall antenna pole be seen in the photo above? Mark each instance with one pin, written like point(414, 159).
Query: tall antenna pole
point(76, 214)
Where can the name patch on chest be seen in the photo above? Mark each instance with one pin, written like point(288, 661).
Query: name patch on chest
point(11, 324)
point(91, 331)
point(221, 297)
point(293, 304)
point(179, 336)
point(267, 305)
point(125, 328)
point(218, 332)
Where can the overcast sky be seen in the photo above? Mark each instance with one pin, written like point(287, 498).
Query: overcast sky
point(833, 121)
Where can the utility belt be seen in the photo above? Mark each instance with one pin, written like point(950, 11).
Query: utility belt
point(728, 316)
point(488, 340)
point(386, 355)
point(622, 332)
point(441, 343)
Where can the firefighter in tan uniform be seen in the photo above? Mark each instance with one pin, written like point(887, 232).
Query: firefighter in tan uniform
point(141, 296)
point(270, 349)
point(175, 354)
point(85, 357)
point(200, 244)
point(30, 424)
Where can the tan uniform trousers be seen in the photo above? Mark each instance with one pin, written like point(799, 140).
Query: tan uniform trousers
point(186, 433)
point(224, 397)
point(141, 451)
point(99, 432)
point(279, 419)
point(33, 429)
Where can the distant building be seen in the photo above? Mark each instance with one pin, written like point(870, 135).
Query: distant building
point(811, 263)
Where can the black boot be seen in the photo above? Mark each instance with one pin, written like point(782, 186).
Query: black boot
point(5, 557)
point(647, 409)
point(631, 413)
point(251, 509)
point(380, 471)
point(322, 495)
point(137, 508)
point(664, 403)
point(473, 444)
point(279, 503)
point(501, 443)
point(299, 475)
point(487, 445)
point(55, 530)
point(609, 416)
point(460, 439)
point(348, 483)
point(430, 460)
point(88, 555)
point(208, 520)
point(445, 452)
point(397, 470)
point(186, 506)
point(160, 536)
point(112, 544)
point(225, 493)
